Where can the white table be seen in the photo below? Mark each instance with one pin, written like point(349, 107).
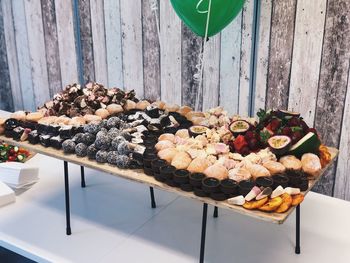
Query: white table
point(112, 223)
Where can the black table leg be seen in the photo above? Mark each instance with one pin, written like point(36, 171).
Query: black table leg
point(204, 228)
point(216, 210)
point(66, 190)
point(153, 202)
point(82, 173)
point(297, 245)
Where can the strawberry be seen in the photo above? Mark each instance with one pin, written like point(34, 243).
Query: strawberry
point(295, 121)
point(275, 124)
point(253, 144)
point(249, 135)
point(239, 143)
point(287, 131)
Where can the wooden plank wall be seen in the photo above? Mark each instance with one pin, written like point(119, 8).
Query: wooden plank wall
point(295, 56)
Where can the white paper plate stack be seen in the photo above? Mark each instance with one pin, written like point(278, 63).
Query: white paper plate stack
point(18, 175)
point(7, 195)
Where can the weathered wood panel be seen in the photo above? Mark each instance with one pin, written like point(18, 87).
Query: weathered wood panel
point(333, 88)
point(307, 49)
point(24, 66)
point(262, 53)
point(280, 58)
point(246, 58)
point(51, 45)
point(99, 41)
point(86, 40)
point(66, 43)
point(230, 65)
point(191, 46)
point(151, 51)
point(131, 22)
point(36, 45)
point(170, 60)
point(113, 43)
point(11, 51)
point(211, 73)
point(6, 101)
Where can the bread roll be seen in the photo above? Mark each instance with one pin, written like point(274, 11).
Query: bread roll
point(184, 110)
point(239, 174)
point(159, 104)
point(198, 165)
point(48, 120)
point(182, 133)
point(171, 107)
point(274, 167)
point(77, 121)
point(258, 170)
point(161, 145)
point(103, 113)
point(142, 105)
point(114, 108)
point(311, 164)
point(62, 120)
point(92, 118)
point(291, 162)
point(34, 116)
point(129, 105)
point(216, 170)
point(181, 160)
point(168, 154)
point(167, 136)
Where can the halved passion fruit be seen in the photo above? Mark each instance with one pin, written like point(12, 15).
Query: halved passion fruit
point(285, 113)
point(239, 127)
point(198, 130)
point(279, 144)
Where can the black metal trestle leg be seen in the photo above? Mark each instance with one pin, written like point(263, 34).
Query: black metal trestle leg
point(204, 229)
point(82, 173)
point(153, 202)
point(216, 210)
point(66, 190)
point(297, 241)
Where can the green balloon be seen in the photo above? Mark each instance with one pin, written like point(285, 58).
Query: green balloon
point(194, 14)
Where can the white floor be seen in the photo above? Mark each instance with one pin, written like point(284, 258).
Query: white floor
point(112, 221)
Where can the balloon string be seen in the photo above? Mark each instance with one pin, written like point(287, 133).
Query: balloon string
point(154, 8)
point(198, 76)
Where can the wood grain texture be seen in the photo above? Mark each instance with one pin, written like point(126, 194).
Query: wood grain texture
point(139, 176)
point(86, 40)
point(51, 45)
point(151, 52)
point(307, 49)
point(6, 102)
point(170, 60)
point(131, 24)
point(262, 61)
point(246, 56)
point(99, 41)
point(113, 43)
point(24, 65)
point(230, 65)
point(211, 73)
point(333, 85)
point(191, 46)
point(66, 42)
point(12, 58)
point(280, 59)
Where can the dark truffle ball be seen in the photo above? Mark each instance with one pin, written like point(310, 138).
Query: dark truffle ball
point(91, 128)
point(68, 146)
point(116, 141)
point(81, 150)
point(88, 138)
point(123, 148)
point(122, 161)
point(78, 138)
point(91, 151)
point(113, 122)
point(103, 131)
point(112, 157)
point(101, 156)
point(113, 133)
point(126, 135)
point(103, 124)
point(102, 142)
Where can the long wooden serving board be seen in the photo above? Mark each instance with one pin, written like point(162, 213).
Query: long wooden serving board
point(139, 176)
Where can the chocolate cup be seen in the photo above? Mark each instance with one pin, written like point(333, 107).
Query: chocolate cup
point(280, 180)
point(264, 181)
point(148, 171)
point(210, 185)
point(199, 192)
point(147, 161)
point(186, 187)
point(158, 177)
point(304, 185)
point(181, 176)
point(157, 164)
point(245, 186)
point(168, 171)
point(229, 186)
point(218, 196)
point(196, 179)
point(171, 183)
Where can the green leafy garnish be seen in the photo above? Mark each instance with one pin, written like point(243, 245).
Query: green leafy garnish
point(296, 128)
point(264, 135)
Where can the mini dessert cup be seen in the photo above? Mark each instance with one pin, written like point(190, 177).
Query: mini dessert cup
point(245, 186)
point(210, 185)
point(167, 172)
point(229, 186)
point(280, 179)
point(181, 176)
point(157, 165)
point(196, 179)
point(264, 181)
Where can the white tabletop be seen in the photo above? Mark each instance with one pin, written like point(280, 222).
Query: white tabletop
point(112, 222)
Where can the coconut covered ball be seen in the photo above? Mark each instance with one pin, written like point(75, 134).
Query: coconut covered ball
point(116, 141)
point(88, 138)
point(112, 157)
point(113, 133)
point(103, 124)
point(113, 122)
point(103, 131)
point(122, 161)
point(123, 148)
point(78, 138)
point(91, 151)
point(102, 142)
point(68, 146)
point(91, 128)
point(101, 156)
point(81, 150)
